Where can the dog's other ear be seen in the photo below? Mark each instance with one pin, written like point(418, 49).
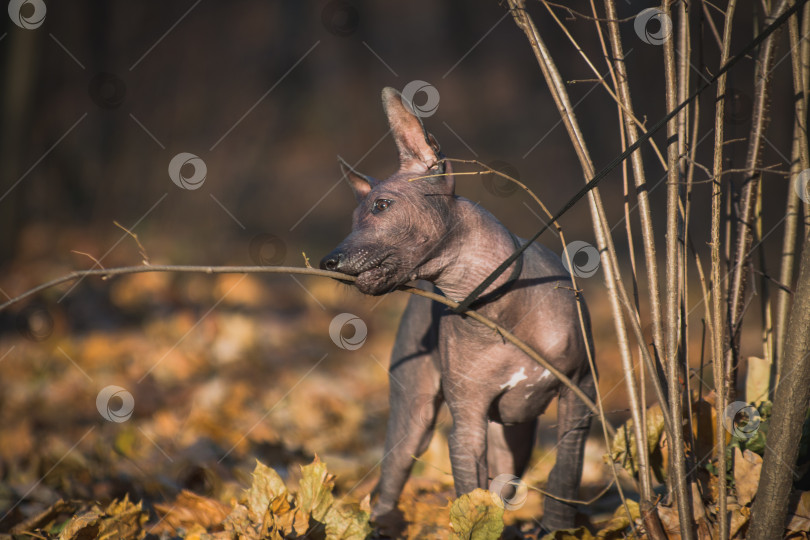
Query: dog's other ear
point(360, 183)
point(418, 150)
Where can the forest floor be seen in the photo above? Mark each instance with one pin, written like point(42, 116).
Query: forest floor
point(223, 371)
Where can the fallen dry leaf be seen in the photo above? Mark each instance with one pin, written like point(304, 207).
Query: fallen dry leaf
point(625, 438)
point(120, 519)
point(739, 522)
point(475, 516)
point(189, 510)
point(614, 529)
point(747, 466)
point(267, 485)
point(799, 515)
point(315, 490)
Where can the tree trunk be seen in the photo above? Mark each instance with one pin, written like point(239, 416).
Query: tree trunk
point(792, 394)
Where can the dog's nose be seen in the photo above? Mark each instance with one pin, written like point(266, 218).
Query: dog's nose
point(332, 261)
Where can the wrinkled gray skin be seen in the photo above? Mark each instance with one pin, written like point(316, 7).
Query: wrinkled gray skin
point(494, 392)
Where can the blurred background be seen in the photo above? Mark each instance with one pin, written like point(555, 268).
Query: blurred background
point(98, 100)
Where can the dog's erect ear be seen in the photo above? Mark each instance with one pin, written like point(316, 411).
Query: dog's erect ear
point(418, 150)
point(360, 183)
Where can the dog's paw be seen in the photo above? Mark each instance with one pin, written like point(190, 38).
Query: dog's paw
point(387, 523)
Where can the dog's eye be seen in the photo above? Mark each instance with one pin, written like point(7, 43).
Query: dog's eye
point(380, 205)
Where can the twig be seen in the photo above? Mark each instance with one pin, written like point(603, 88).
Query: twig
point(98, 263)
point(141, 249)
point(547, 3)
point(717, 321)
point(708, 17)
point(678, 478)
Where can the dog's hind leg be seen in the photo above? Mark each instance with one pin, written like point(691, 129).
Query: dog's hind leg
point(574, 421)
point(509, 447)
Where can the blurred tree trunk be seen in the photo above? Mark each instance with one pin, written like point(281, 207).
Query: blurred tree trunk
point(18, 79)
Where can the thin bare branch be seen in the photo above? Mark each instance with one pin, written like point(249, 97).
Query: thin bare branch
point(98, 263)
point(141, 249)
point(575, 13)
point(759, 121)
point(717, 321)
point(678, 476)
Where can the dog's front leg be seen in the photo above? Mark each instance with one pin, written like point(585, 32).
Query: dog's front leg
point(415, 401)
point(468, 443)
point(415, 398)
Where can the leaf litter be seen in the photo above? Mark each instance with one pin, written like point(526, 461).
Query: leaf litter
point(234, 392)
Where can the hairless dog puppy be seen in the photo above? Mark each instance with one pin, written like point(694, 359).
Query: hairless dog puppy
point(405, 229)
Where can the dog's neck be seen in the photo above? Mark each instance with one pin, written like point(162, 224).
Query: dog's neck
point(474, 248)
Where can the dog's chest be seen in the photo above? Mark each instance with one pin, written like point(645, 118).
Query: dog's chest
point(476, 364)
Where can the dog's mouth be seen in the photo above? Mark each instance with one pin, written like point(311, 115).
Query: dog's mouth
point(376, 279)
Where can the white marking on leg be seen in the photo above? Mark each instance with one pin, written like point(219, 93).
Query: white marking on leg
point(516, 378)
